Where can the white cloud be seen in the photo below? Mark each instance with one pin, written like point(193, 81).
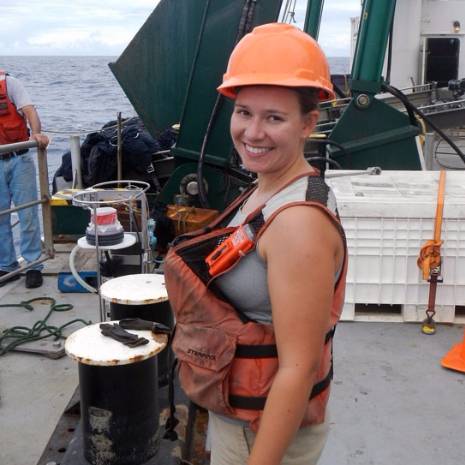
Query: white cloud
point(82, 38)
point(79, 27)
point(105, 27)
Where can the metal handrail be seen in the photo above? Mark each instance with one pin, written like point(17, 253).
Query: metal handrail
point(48, 251)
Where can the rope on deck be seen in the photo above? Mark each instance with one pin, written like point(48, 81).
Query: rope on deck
point(12, 337)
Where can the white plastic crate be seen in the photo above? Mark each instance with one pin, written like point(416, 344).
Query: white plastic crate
point(387, 218)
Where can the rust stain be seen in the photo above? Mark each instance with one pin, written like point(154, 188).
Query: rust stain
point(137, 302)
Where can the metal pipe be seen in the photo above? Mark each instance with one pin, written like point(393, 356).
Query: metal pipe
point(428, 150)
point(313, 17)
point(372, 171)
point(119, 150)
point(75, 147)
point(75, 273)
point(46, 207)
point(423, 60)
point(44, 200)
point(23, 205)
point(99, 275)
point(375, 23)
point(17, 146)
point(24, 268)
point(145, 240)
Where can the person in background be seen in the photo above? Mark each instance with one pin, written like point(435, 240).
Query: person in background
point(19, 122)
point(254, 337)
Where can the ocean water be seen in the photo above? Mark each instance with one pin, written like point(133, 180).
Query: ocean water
point(73, 95)
point(78, 95)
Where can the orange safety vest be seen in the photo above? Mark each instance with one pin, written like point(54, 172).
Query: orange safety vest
point(13, 127)
point(226, 362)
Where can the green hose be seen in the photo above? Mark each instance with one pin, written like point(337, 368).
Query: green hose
point(13, 337)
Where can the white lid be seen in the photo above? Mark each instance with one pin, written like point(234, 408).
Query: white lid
point(90, 347)
point(398, 194)
point(135, 289)
point(105, 211)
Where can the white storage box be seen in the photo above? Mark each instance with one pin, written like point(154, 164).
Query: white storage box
point(387, 218)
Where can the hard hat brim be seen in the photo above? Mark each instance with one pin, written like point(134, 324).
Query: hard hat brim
point(230, 86)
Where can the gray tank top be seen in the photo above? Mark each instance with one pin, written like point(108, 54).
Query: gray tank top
point(246, 286)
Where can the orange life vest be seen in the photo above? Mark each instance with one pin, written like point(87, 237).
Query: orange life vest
point(13, 127)
point(226, 362)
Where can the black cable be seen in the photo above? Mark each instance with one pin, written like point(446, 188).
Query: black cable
point(245, 24)
point(410, 108)
point(339, 92)
point(397, 93)
point(442, 164)
point(332, 142)
point(325, 159)
point(200, 182)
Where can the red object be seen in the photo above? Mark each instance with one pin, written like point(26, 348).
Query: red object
point(229, 251)
point(13, 127)
point(105, 215)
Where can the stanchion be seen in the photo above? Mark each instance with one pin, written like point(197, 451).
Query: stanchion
point(119, 396)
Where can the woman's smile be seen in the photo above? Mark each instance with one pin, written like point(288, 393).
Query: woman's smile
point(269, 129)
point(257, 151)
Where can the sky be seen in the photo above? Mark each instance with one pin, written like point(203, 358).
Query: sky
point(105, 27)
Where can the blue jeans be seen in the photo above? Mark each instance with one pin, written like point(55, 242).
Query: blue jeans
point(18, 184)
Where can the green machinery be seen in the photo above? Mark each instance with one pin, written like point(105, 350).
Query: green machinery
point(372, 132)
point(172, 67)
point(170, 72)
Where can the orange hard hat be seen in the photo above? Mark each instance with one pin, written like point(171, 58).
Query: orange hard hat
point(280, 55)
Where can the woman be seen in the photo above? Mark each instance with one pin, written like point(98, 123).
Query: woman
point(282, 292)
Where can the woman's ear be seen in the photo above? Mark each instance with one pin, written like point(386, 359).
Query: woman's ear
point(310, 121)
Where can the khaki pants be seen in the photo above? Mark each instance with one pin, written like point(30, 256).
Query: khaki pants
point(231, 443)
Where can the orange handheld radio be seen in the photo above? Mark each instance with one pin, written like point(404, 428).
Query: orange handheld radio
point(229, 251)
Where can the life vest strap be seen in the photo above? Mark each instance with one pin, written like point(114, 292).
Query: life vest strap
point(255, 351)
point(258, 403)
point(268, 350)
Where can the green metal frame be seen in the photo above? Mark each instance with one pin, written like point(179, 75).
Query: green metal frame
point(170, 72)
point(313, 17)
point(171, 69)
point(155, 67)
point(217, 38)
point(372, 39)
point(372, 132)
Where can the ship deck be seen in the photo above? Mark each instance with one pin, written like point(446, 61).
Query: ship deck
point(392, 403)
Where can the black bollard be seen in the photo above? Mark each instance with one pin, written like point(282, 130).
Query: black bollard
point(119, 396)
